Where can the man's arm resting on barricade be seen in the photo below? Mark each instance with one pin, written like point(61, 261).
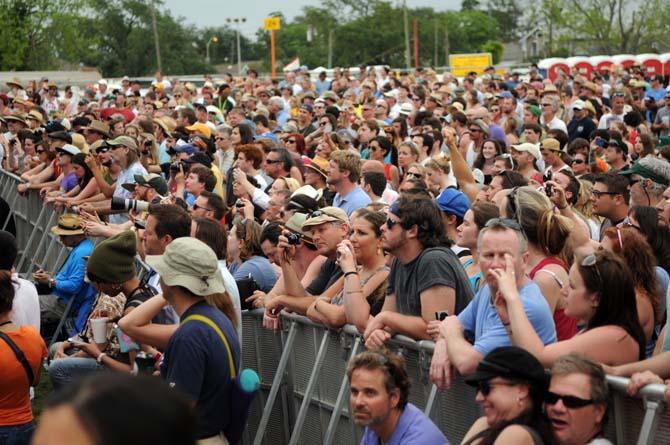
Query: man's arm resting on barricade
point(289, 302)
point(462, 355)
point(658, 364)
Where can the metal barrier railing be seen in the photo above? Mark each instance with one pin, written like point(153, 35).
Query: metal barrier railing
point(304, 389)
point(305, 400)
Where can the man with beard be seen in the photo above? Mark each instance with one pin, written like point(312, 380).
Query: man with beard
point(378, 392)
point(426, 277)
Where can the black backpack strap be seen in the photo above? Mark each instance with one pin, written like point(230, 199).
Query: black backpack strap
point(20, 356)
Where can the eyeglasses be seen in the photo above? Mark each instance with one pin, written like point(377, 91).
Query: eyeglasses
point(508, 223)
point(571, 402)
point(290, 141)
point(628, 223)
point(196, 207)
point(592, 261)
point(598, 193)
point(414, 175)
point(577, 161)
point(219, 139)
point(545, 105)
point(475, 130)
point(323, 124)
point(485, 386)
point(272, 161)
point(390, 223)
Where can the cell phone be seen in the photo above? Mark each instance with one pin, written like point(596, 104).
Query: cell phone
point(441, 315)
point(548, 190)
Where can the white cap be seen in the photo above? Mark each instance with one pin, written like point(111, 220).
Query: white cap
point(578, 105)
point(102, 82)
point(70, 149)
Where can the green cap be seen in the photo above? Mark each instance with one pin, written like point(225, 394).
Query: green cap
point(126, 141)
point(152, 180)
point(190, 263)
point(650, 168)
point(113, 260)
point(535, 110)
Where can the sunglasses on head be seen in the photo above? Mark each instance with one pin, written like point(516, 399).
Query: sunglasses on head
point(508, 223)
point(571, 402)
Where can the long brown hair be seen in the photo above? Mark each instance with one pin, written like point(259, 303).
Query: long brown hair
point(222, 301)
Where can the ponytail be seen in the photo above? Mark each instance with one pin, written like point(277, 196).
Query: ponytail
point(6, 292)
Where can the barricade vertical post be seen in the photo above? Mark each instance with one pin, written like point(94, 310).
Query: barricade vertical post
point(34, 230)
point(276, 382)
point(653, 410)
point(300, 420)
point(341, 398)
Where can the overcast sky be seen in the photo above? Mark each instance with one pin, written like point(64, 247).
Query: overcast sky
point(214, 12)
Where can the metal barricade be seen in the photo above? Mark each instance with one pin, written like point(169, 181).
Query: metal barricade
point(304, 390)
point(305, 393)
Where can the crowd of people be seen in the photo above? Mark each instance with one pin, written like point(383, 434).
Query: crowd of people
point(521, 224)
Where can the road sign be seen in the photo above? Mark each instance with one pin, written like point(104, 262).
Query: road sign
point(272, 23)
point(462, 64)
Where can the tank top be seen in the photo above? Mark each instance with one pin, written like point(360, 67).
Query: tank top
point(566, 327)
point(387, 171)
point(476, 278)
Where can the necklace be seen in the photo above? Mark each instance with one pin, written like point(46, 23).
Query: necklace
point(5, 322)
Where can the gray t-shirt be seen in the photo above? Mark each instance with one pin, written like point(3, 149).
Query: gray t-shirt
point(663, 116)
point(433, 267)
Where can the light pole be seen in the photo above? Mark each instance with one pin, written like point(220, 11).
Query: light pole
point(212, 39)
point(237, 21)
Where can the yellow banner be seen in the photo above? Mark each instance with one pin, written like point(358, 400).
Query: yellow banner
point(462, 64)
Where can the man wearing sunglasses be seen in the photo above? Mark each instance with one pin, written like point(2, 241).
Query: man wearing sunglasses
point(609, 199)
point(576, 403)
point(426, 276)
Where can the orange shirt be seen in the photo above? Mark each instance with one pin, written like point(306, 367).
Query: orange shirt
point(15, 408)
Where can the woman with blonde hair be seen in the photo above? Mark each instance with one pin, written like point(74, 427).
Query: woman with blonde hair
point(408, 154)
point(438, 169)
point(149, 152)
point(547, 233)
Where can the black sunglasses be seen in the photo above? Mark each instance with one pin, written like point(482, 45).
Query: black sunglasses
point(196, 207)
point(571, 402)
point(485, 386)
point(271, 161)
point(577, 161)
point(390, 223)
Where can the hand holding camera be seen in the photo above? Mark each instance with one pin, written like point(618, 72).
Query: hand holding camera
point(286, 249)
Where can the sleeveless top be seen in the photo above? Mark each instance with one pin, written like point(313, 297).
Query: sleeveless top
point(566, 327)
point(476, 278)
point(387, 171)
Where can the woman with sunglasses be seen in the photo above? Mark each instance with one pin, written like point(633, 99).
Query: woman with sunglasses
point(633, 249)
point(416, 171)
point(408, 154)
point(600, 294)
point(379, 149)
point(511, 387)
point(45, 157)
point(361, 295)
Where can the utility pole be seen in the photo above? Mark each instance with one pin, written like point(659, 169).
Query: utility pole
point(237, 21)
point(435, 61)
point(155, 28)
point(330, 47)
point(446, 46)
point(408, 62)
point(415, 27)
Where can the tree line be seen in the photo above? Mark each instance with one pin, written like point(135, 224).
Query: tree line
point(117, 38)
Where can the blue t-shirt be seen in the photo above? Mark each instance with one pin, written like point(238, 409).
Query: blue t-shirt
point(355, 199)
point(413, 428)
point(260, 270)
point(69, 182)
point(196, 363)
point(481, 318)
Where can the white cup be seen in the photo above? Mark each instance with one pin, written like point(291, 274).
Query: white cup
point(99, 328)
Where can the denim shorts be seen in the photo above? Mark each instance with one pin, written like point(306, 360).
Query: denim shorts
point(17, 434)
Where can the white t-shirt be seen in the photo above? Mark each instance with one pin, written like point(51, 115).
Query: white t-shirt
point(233, 293)
point(557, 124)
point(26, 308)
point(126, 176)
point(607, 119)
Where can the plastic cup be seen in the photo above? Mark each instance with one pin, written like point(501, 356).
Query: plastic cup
point(99, 328)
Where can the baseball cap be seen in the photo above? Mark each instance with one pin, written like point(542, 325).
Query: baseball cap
point(296, 223)
point(578, 105)
point(649, 168)
point(69, 149)
point(200, 128)
point(199, 158)
point(152, 180)
point(509, 362)
point(325, 215)
point(126, 141)
point(505, 94)
point(530, 148)
point(190, 263)
point(551, 144)
point(453, 202)
point(185, 148)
